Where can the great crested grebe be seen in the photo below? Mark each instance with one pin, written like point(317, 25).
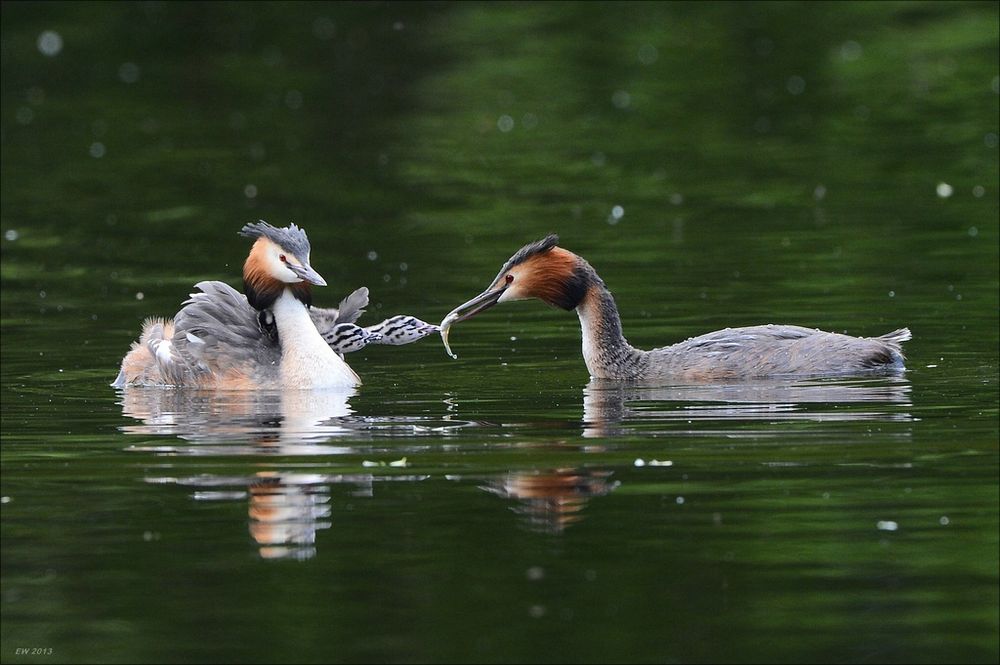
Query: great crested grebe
point(268, 339)
point(562, 279)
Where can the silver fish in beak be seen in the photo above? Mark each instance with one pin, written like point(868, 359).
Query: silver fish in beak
point(467, 310)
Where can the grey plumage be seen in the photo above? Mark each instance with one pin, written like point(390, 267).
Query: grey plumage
point(292, 237)
point(774, 350)
point(350, 309)
point(735, 353)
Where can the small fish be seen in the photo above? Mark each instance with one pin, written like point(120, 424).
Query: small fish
point(467, 310)
point(445, 328)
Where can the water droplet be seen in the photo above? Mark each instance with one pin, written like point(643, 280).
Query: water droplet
point(139, 295)
point(324, 28)
point(35, 95)
point(97, 150)
point(621, 99)
point(648, 54)
point(618, 212)
point(250, 191)
point(850, 51)
point(978, 191)
point(505, 123)
point(293, 99)
point(372, 255)
point(819, 193)
point(128, 72)
point(398, 26)
point(944, 521)
point(944, 190)
point(11, 235)
point(676, 198)
point(763, 46)
point(639, 462)
point(598, 159)
point(886, 525)
point(50, 43)
point(535, 573)
point(973, 231)
point(679, 500)
point(990, 140)
point(795, 85)
point(892, 294)
point(529, 121)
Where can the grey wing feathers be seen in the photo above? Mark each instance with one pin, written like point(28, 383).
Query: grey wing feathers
point(348, 311)
point(896, 337)
point(780, 349)
point(352, 307)
point(217, 329)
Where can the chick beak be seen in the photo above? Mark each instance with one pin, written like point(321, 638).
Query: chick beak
point(306, 273)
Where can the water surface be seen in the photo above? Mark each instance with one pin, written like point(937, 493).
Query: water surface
point(830, 165)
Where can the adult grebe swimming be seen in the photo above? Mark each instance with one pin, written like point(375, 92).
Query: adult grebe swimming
point(562, 279)
point(268, 339)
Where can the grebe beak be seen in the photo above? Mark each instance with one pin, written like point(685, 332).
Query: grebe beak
point(306, 274)
point(467, 310)
point(480, 303)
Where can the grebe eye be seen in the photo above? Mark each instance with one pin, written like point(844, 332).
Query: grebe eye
point(283, 259)
point(510, 278)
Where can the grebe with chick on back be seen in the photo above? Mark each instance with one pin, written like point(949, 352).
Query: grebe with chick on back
point(560, 278)
point(270, 338)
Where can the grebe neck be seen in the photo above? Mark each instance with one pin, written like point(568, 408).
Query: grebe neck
point(605, 350)
point(307, 361)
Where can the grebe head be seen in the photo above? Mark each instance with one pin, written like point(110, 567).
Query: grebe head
point(538, 270)
point(279, 259)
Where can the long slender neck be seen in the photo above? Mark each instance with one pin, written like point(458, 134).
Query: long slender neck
point(307, 361)
point(605, 350)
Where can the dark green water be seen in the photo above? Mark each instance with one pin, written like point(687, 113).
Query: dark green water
point(828, 165)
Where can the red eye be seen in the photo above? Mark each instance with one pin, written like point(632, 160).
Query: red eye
point(283, 259)
point(510, 278)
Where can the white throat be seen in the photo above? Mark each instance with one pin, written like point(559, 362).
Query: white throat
point(591, 345)
point(307, 361)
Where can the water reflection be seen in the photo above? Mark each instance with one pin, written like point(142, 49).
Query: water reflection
point(260, 422)
point(550, 501)
point(612, 408)
point(299, 422)
point(284, 509)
